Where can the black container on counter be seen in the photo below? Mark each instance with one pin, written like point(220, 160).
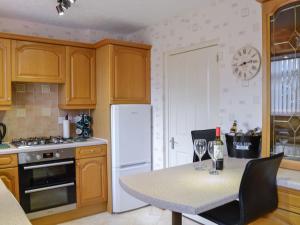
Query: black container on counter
point(243, 146)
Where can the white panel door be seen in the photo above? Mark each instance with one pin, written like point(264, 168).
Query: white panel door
point(193, 99)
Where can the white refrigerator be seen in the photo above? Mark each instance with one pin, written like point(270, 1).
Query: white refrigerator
point(131, 150)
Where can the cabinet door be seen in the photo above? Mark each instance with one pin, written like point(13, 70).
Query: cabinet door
point(10, 178)
point(80, 87)
point(91, 181)
point(130, 78)
point(279, 217)
point(5, 73)
point(37, 62)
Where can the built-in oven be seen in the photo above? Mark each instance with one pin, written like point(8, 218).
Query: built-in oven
point(47, 182)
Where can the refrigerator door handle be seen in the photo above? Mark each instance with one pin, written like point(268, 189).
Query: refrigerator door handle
point(132, 164)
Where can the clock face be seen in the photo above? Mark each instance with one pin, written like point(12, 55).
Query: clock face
point(246, 63)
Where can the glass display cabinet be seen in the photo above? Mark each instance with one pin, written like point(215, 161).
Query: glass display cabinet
point(281, 80)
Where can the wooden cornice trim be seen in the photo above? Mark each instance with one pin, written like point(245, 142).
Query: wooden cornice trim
point(263, 1)
point(122, 43)
point(44, 40)
point(74, 43)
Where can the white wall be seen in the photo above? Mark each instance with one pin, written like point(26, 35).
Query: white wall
point(8, 25)
point(235, 23)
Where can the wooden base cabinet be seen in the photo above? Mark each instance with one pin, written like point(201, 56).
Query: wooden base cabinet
point(91, 181)
point(5, 74)
point(279, 217)
point(9, 173)
point(10, 177)
point(288, 212)
point(91, 176)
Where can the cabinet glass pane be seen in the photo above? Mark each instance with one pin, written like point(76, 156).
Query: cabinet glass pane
point(285, 81)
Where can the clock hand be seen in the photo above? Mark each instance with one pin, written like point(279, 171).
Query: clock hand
point(245, 63)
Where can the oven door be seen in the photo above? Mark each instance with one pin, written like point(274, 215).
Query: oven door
point(47, 185)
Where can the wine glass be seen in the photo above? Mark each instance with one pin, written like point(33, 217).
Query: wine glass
point(200, 147)
point(213, 156)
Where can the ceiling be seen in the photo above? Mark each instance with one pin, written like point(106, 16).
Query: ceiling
point(120, 16)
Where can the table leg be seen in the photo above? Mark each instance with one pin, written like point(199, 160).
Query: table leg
point(176, 218)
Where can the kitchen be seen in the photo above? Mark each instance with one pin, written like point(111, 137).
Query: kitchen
point(43, 90)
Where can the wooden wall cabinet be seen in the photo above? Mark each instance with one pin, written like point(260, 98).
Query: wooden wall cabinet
point(38, 62)
point(5, 74)
point(9, 173)
point(130, 78)
point(79, 91)
point(91, 176)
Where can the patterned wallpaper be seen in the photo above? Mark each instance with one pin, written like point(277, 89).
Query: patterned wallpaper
point(234, 23)
point(8, 25)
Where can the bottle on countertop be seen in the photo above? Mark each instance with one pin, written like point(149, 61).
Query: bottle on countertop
point(218, 150)
point(233, 129)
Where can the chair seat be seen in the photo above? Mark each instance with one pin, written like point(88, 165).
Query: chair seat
point(228, 214)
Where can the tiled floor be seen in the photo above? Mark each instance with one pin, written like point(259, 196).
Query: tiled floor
point(144, 216)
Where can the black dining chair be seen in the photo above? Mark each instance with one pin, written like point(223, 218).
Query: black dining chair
point(208, 135)
point(257, 194)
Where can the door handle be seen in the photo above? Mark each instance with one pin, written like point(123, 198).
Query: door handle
point(173, 142)
point(48, 165)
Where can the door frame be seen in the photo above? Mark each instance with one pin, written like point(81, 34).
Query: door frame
point(202, 45)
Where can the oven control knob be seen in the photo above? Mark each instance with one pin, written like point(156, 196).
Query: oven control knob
point(28, 158)
point(38, 157)
point(57, 155)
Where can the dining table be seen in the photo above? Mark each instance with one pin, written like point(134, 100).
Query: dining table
point(185, 190)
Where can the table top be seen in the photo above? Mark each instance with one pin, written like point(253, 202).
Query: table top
point(11, 213)
point(186, 190)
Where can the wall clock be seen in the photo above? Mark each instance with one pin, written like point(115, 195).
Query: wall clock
point(246, 63)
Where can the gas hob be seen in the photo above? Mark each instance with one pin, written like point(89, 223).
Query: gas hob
point(41, 141)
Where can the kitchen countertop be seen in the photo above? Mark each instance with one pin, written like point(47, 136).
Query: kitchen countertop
point(11, 213)
point(185, 190)
point(89, 142)
point(289, 179)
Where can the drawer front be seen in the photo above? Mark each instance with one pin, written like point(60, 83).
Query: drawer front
point(90, 151)
point(289, 200)
point(7, 161)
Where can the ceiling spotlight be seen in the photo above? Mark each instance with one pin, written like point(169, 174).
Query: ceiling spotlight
point(66, 4)
point(63, 5)
point(60, 10)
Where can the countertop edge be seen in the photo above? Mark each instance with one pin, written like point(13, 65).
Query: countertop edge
point(174, 206)
point(89, 142)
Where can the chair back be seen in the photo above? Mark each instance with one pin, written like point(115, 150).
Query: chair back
point(208, 135)
point(258, 189)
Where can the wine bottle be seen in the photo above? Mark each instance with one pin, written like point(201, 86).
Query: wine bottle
point(218, 150)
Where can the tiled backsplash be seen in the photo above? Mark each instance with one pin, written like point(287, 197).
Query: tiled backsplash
point(34, 112)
